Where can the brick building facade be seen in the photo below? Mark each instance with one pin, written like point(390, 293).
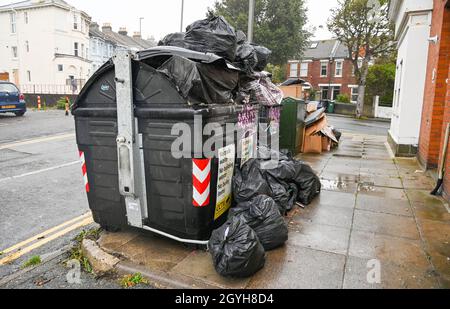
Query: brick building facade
point(436, 105)
point(327, 67)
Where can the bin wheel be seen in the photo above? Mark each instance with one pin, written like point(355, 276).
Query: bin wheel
point(110, 228)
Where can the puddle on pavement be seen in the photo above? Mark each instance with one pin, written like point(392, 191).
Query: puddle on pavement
point(333, 185)
point(343, 155)
point(366, 187)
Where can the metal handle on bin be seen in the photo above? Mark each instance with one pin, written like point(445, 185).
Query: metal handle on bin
point(129, 152)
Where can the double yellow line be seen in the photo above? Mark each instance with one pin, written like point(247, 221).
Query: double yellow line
point(43, 238)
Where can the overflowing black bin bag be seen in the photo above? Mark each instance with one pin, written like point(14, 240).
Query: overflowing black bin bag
point(212, 35)
point(308, 183)
point(241, 38)
point(262, 215)
point(263, 55)
point(174, 39)
point(201, 82)
point(236, 250)
point(246, 58)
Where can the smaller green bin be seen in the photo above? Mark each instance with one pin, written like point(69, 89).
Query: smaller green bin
point(330, 108)
point(292, 124)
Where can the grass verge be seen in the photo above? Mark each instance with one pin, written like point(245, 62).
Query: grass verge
point(77, 254)
point(33, 261)
point(130, 281)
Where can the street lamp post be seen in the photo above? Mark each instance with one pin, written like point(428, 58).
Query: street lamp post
point(251, 19)
point(140, 25)
point(182, 15)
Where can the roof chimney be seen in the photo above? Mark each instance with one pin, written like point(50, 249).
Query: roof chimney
point(94, 26)
point(123, 31)
point(137, 35)
point(106, 27)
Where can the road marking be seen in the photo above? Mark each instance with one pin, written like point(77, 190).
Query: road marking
point(40, 171)
point(10, 258)
point(37, 140)
point(45, 233)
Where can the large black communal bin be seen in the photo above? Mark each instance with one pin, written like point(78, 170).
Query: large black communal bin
point(183, 198)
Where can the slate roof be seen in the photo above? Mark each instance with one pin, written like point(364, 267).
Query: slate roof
point(34, 3)
point(326, 49)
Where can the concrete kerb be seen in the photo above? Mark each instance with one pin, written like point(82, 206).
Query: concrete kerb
point(100, 261)
point(103, 262)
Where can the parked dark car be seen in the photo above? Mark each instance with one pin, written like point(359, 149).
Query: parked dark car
point(11, 100)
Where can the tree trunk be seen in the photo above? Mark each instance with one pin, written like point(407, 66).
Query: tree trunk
point(362, 90)
point(360, 102)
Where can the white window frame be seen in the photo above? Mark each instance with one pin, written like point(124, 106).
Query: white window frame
point(13, 22)
point(341, 68)
point(29, 76)
point(60, 66)
point(27, 46)
point(293, 67)
point(76, 49)
point(322, 63)
point(304, 66)
point(15, 52)
point(25, 17)
point(352, 89)
point(331, 88)
point(75, 21)
point(82, 50)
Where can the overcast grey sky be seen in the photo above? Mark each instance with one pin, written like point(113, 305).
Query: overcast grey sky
point(163, 16)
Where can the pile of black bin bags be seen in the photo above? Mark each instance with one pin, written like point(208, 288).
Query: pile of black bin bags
point(236, 77)
point(263, 194)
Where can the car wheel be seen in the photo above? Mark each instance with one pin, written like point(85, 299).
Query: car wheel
point(20, 114)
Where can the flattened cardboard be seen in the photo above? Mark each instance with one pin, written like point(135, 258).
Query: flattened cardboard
point(313, 144)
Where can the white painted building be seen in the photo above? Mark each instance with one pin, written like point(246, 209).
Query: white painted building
point(412, 20)
point(102, 48)
point(44, 42)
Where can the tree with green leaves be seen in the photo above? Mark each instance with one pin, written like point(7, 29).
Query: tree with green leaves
point(380, 82)
point(364, 27)
point(279, 25)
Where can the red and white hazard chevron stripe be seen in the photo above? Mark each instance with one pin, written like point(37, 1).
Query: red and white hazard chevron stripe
point(201, 182)
point(84, 170)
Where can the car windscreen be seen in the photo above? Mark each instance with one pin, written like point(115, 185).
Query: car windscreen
point(10, 88)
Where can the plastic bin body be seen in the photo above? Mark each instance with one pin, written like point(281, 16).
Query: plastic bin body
point(292, 124)
point(169, 180)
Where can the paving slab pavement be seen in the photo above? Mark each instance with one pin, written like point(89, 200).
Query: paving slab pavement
point(374, 214)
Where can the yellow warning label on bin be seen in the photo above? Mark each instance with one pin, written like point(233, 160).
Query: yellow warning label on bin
point(222, 207)
point(224, 179)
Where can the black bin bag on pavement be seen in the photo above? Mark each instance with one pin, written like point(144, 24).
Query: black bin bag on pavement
point(308, 183)
point(236, 250)
point(262, 215)
point(212, 35)
point(249, 182)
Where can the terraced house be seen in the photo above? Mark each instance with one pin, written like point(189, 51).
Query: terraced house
point(44, 42)
point(326, 66)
